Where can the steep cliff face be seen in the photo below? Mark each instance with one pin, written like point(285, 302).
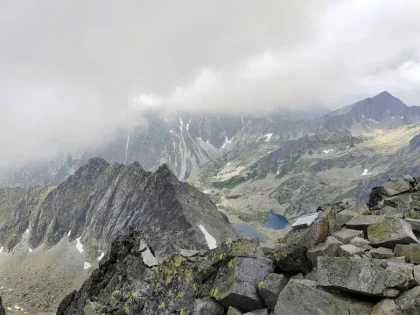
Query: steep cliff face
point(102, 200)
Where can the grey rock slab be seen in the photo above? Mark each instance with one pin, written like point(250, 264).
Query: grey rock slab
point(347, 235)
point(271, 287)
point(208, 306)
point(385, 307)
point(345, 216)
point(303, 297)
point(391, 232)
point(329, 248)
point(395, 187)
point(359, 242)
point(348, 250)
point(236, 283)
point(382, 253)
point(290, 251)
point(360, 276)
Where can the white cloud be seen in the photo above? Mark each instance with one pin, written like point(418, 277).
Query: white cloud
point(70, 77)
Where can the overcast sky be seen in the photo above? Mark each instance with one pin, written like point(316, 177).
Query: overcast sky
point(73, 71)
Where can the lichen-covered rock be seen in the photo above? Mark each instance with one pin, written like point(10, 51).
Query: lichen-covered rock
point(303, 297)
point(391, 232)
point(246, 247)
point(347, 235)
point(362, 222)
point(361, 276)
point(271, 287)
point(409, 302)
point(236, 283)
point(290, 252)
point(329, 248)
point(385, 307)
point(208, 306)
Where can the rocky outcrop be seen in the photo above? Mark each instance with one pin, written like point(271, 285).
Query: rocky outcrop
point(102, 200)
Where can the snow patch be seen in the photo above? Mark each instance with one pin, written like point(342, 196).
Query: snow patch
point(27, 231)
point(365, 172)
point(211, 241)
point(306, 220)
point(69, 233)
point(102, 256)
point(17, 307)
point(1, 249)
point(9, 308)
point(327, 151)
point(227, 141)
point(79, 245)
point(30, 250)
point(228, 164)
point(268, 137)
point(87, 265)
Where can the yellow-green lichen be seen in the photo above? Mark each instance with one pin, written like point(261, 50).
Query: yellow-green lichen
point(262, 284)
point(215, 292)
point(162, 305)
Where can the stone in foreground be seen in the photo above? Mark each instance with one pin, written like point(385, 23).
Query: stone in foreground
point(362, 222)
point(415, 224)
point(360, 276)
point(391, 232)
point(329, 248)
point(409, 302)
point(382, 253)
point(290, 252)
point(347, 235)
point(234, 311)
point(303, 297)
point(208, 306)
point(385, 307)
point(236, 283)
point(395, 187)
point(271, 287)
point(348, 250)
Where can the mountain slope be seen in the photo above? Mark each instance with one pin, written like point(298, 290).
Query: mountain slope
point(382, 112)
point(49, 233)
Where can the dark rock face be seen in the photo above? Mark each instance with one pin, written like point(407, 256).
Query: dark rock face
point(102, 200)
point(2, 311)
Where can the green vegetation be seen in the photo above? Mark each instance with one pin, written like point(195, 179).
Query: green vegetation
point(350, 194)
point(260, 217)
point(46, 192)
point(229, 183)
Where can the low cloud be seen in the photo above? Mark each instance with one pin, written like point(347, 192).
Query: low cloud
point(73, 73)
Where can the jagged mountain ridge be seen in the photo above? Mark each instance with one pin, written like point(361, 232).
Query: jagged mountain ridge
point(100, 200)
point(49, 233)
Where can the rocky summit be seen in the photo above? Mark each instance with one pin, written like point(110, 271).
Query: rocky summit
point(325, 268)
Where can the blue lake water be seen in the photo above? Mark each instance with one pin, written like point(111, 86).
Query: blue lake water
point(249, 231)
point(277, 221)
